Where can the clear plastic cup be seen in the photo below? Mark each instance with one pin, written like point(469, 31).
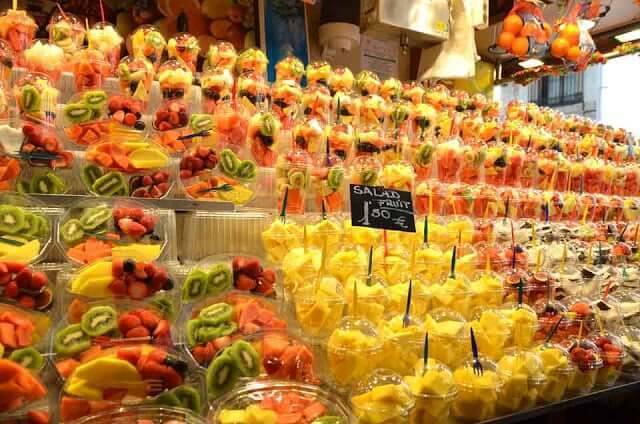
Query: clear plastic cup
point(184, 47)
point(217, 87)
point(558, 370)
point(45, 57)
point(453, 293)
point(522, 374)
point(103, 36)
point(492, 331)
point(524, 323)
point(143, 413)
point(448, 336)
point(309, 136)
point(487, 289)
point(341, 141)
point(252, 60)
point(346, 108)
point(18, 29)
point(280, 237)
point(6, 63)
point(147, 41)
point(367, 83)
point(319, 306)
point(90, 68)
point(392, 263)
point(613, 355)
point(175, 79)
point(316, 103)
point(430, 264)
point(292, 180)
point(382, 397)
point(587, 358)
point(341, 79)
point(221, 55)
point(286, 96)
point(36, 97)
point(372, 301)
point(290, 68)
point(420, 297)
point(135, 75)
point(263, 136)
point(433, 390)
point(477, 394)
point(403, 345)
point(66, 31)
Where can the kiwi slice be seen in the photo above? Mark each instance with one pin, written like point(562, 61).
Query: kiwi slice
point(95, 99)
point(424, 155)
point(71, 340)
point(48, 183)
point(165, 306)
point(71, 231)
point(193, 327)
point(77, 113)
point(369, 177)
point(168, 398)
point(109, 184)
point(195, 285)
point(267, 125)
point(189, 398)
point(30, 99)
point(99, 320)
point(201, 122)
point(31, 227)
point(90, 174)
point(199, 331)
point(43, 226)
point(221, 375)
point(229, 162)
point(246, 358)
point(12, 219)
point(92, 218)
point(247, 170)
point(28, 358)
point(216, 313)
point(23, 187)
point(297, 178)
point(219, 279)
point(335, 178)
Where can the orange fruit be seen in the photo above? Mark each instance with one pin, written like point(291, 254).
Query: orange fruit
point(520, 46)
point(559, 47)
point(513, 24)
point(571, 33)
point(573, 54)
point(505, 40)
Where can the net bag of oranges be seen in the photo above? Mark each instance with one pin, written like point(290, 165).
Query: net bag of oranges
point(573, 44)
point(525, 33)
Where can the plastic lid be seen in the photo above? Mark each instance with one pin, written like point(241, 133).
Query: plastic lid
point(555, 359)
point(490, 321)
point(433, 382)
point(386, 382)
point(393, 330)
point(355, 334)
point(466, 378)
point(611, 347)
point(516, 362)
point(446, 323)
point(584, 353)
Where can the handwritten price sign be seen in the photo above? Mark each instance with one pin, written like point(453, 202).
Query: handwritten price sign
point(378, 207)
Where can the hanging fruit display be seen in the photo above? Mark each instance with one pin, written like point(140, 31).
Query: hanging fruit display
point(525, 33)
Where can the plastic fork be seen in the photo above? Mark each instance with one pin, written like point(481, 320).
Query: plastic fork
point(151, 387)
point(477, 365)
point(106, 341)
point(203, 133)
point(425, 354)
point(406, 319)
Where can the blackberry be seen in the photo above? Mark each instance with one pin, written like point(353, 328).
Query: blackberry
point(129, 265)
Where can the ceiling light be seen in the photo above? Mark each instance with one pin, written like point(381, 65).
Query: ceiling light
point(586, 24)
point(531, 63)
point(625, 37)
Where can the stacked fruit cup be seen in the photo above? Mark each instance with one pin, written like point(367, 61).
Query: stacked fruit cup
point(135, 75)
point(175, 79)
point(292, 180)
point(103, 37)
point(184, 47)
point(221, 55)
point(66, 31)
point(217, 87)
point(90, 68)
point(45, 57)
point(148, 42)
point(18, 29)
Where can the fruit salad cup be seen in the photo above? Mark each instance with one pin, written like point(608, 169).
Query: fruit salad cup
point(371, 301)
point(429, 263)
point(523, 375)
point(221, 55)
point(495, 165)
point(448, 336)
point(231, 122)
point(341, 141)
point(341, 79)
point(309, 136)
point(147, 41)
point(316, 103)
point(398, 175)
point(631, 185)
point(286, 96)
point(413, 91)
point(433, 390)
point(382, 397)
point(263, 134)
point(252, 60)
point(369, 141)
point(613, 355)
point(253, 92)
point(429, 197)
point(67, 32)
point(593, 175)
point(104, 37)
point(185, 48)
point(18, 29)
point(87, 389)
point(36, 97)
point(175, 79)
point(271, 402)
point(318, 73)
point(6, 63)
point(328, 182)
point(473, 158)
point(403, 344)
point(290, 68)
point(217, 87)
point(353, 351)
point(487, 289)
point(477, 396)
point(391, 90)
point(367, 83)
point(136, 169)
point(372, 109)
point(85, 120)
point(346, 108)
point(449, 160)
point(125, 113)
point(46, 58)
point(90, 68)
point(135, 75)
point(170, 122)
point(524, 324)
point(319, 307)
point(292, 180)
point(587, 360)
point(558, 370)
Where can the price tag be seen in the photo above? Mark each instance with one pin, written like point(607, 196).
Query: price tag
point(379, 207)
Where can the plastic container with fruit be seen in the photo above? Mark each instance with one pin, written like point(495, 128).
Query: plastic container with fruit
point(221, 55)
point(252, 60)
point(403, 344)
point(6, 62)
point(269, 402)
point(316, 103)
point(18, 29)
point(170, 123)
point(36, 97)
point(286, 96)
point(522, 375)
point(103, 36)
point(25, 335)
point(319, 306)
point(367, 83)
point(96, 229)
point(252, 92)
point(46, 57)
point(587, 359)
point(25, 229)
point(492, 331)
point(346, 108)
point(217, 87)
point(372, 110)
point(126, 114)
point(30, 287)
point(292, 180)
point(382, 397)
point(558, 370)
point(263, 134)
point(88, 329)
point(433, 389)
point(209, 324)
point(184, 47)
point(27, 400)
point(147, 41)
point(90, 68)
point(327, 181)
point(477, 397)
point(66, 31)
point(135, 75)
point(281, 236)
point(290, 68)
point(175, 79)
point(613, 355)
point(84, 117)
point(341, 139)
point(231, 121)
point(139, 374)
point(131, 169)
point(453, 292)
point(448, 336)
point(147, 414)
point(341, 79)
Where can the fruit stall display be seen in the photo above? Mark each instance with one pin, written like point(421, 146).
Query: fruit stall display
point(524, 261)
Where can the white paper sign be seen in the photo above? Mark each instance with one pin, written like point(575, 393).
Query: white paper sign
point(379, 56)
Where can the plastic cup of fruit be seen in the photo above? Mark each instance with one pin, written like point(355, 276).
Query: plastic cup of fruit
point(316, 103)
point(184, 47)
point(372, 110)
point(495, 165)
point(175, 79)
point(138, 231)
point(318, 73)
point(382, 397)
point(286, 96)
point(353, 351)
point(398, 175)
point(341, 140)
point(292, 180)
point(231, 122)
point(369, 141)
point(413, 91)
point(433, 390)
point(522, 375)
point(267, 401)
point(147, 41)
point(558, 370)
point(449, 160)
point(44, 57)
point(367, 83)
point(252, 60)
point(282, 236)
point(323, 229)
point(221, 55)
point(613, 355)
point(403, 345)
point(66, 31)
point(263, 135)
point(487, 288)
point(492, 330)
point(253, 91)
point(135, 75)
point(372, 301)
point(587, 359)
point(391, 262)
point(319, 306)
point(18, 29)
point(477, 396)
point(104, 37)
point(529, 171)
point(300, 267)
point(365, 170)
point(328, 182)
point(429, 197)
point(448, 336)
point(36, 97)
point(341, 79)
point(142, 414)
point(90, 68)
point(290, 68)
point(420, 297)
point(346, 107)
point(430, 263)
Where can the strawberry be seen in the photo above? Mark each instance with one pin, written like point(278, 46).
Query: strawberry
point(139, 331)
point(149, 222)
point(117, 267)
point(38, 280)
point(11, 290)
point(247, 265)
point(269, 276)
point(149, 319)
point(244, 282)
point(23, 278)
point(4, 269)
point(137, 290)
point(163, 329)
point(129, 119)
point(118, 287)
point(128, 322)
point(131, 228)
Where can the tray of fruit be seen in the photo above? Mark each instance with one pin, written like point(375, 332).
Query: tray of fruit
point(96, 229)
point(138, 168)
point(147, 414)
point(84, 117)
point(23, 335)
point(25, 229)
point(31, 287)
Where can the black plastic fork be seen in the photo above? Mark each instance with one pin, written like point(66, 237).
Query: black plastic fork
point(477, 365)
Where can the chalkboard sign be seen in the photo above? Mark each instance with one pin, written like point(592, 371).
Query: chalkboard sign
point(379, 207)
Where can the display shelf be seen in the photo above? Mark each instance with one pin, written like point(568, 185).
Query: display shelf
point(178, 205)
point(625, 386)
